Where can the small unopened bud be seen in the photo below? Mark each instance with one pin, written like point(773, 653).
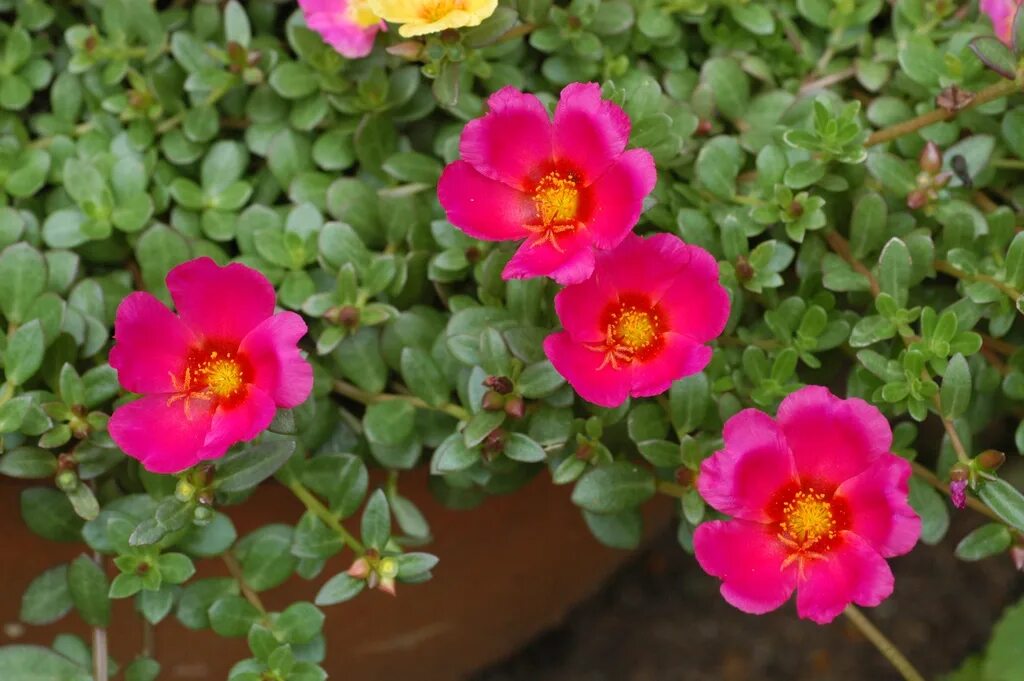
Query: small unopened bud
point(67, 481)
point(574, 22)
point(930, 159)
point(494, 443)
point(407, 49)
point(584, 452)
point(796, 209)
point(205, 498)
point(500, 384)
point(744, 270)
point(991, 459)
point(1017, 555)
point(387, 585)
point(492, 401)
point(703, 128)
point(941, 180)
point(958, 493)
point(515, 406)
point(473, 254)
point(449, 36)
point(345, 315)
point(684, 476)
point(90, 43)
point(360, 569)
point(202, 515)
point(184, 491)
point(142, 568)
point(917, 199)
point(388, 567)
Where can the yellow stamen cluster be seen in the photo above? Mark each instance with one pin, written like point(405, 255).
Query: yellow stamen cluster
point(438, 9)
point(216, 378)
point(808, 519)
point(223, 376)
point(630, 331)
point(556, 200)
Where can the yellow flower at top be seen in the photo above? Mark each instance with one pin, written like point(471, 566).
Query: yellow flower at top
point(420, 17)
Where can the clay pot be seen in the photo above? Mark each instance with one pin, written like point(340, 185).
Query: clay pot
point(509, 569)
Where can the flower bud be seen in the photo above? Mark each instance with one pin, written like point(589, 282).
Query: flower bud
point(1017, 555)
point(500, 384)
point(958, 493)
point(515, 406)
point(492, 401)
point(744, 270)
point(387, 585)
point(917, 199)
point(184, 491)
point(584, 451)
point(407, 49)
point(67, 481)
point(703, 128)
point(202, 515)
point(930, 159)
point(388, 567)
point(494, 443)
point(991, 459)
point(360, 569)
point(796, 209)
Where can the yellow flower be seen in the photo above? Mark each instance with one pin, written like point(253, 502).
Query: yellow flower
point(419, 17)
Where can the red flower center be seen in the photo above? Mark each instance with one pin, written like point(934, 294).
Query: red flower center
point(634, 331)
point(212, 373)
point(556, 199)
point(809, 521)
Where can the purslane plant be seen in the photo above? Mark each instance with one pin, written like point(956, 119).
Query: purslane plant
point(757, 245)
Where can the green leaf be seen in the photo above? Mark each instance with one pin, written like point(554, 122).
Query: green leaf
point(232, 616)
point(423, 377)
point(729, 84)
point(519, 447)
point(252, 465)
point(622, 530)
point(390, 422)
point(48, 513)
point(932, 509)
point(375, 526)
point(413, 565)
point(87, 585)
point(894, 271)
point(26, 462)
point(175, 568)
point(339, 588)
point(1003, 661)
point(299, 623)
point(613, 488)
point(35, 663)
point(236, 23)
point(1004, 499)
point(956, 387)
point(22, 280)
point(867, 224)
point(689, 401)
point(266, 556)
point(47, 598)
point(987, 540)
point(481, 425)
point(142, 669)
point(539, 380)
point(995, 55)
point(408, 166)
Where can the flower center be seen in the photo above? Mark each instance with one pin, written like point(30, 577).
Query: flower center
point(210, 375)
point(635, 329)
point(223, 376)
point(557, 199)
point(633, 332)
point(808, 518)
point(438, 9)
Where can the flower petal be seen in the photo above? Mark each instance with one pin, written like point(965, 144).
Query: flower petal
point(278, 368)
point(580, 308)
point(511, 143)
point(162, 432)
point(696, 304)
point(679, 357)
point(878, 507)
point(220, 303)
point(239, 423)
point(755, 463)
point(748, 558)
point(646, 265)
point(851, 572)
point(590, 133)
point(151, 345)
point(832, 439)
point(616, 198)
point(571, 262)
point(481, 207)
point(607, 387)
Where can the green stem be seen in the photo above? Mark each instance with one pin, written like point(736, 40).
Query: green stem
point(954, 271)
point(316, 507)
point(671, 489)
point(928, 476)
point(883, 644)
point(359, 395)
point(247, 591)
point(984, 96)
point(1009, 163)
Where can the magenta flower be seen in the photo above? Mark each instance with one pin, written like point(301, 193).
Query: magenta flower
point(567, 187)
point(640, 322)
point(818, 503)
point(211, 376)
point(349, 26)
point(1002, 13)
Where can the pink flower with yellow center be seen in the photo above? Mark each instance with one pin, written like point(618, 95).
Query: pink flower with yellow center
point(1002, 13)
point(211, 376)
point(640, 322)
point(568, 187)
point(818, 502)
point(349, 26)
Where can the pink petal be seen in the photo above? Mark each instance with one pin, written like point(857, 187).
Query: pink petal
point(878, 507)
point(570, 263)
point(351, 40)
point(163, 436)
point(239, 423)
point(590, 133)
point(679, 357)
point(152, 345)
point(278, 368)
point(1001, 12)
point(581, 307)
point(606, 386)
point(512, 142)
point(645, 265)
point(696, 304)
point(481, 207)
point(832, 439)
point(617, 197)
point(748, 558)
point(220, 303)
point(742, 479)
point(852, 572)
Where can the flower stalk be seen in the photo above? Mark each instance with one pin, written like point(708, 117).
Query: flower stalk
point(883, 644)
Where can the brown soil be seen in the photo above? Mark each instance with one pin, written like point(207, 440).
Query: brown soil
point(662, 619)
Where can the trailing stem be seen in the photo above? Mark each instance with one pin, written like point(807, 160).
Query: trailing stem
point(897, 659)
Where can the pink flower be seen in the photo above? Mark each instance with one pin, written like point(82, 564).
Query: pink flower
point(567, 187)
point(640, 322)
point(349, 26)
point(818, 503)
point(1001, 12)
point(211, 376)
